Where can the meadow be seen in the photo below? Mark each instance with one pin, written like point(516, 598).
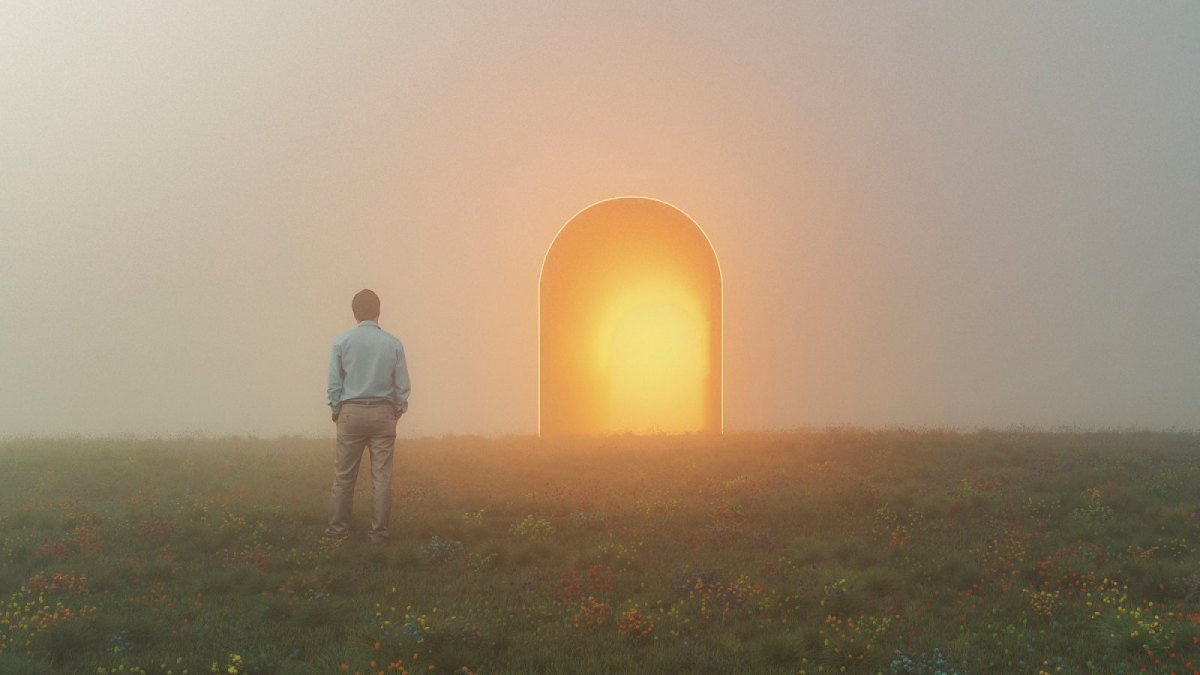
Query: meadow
point(811, 552)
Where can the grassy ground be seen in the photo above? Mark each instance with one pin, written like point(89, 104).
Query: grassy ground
point(892, 552)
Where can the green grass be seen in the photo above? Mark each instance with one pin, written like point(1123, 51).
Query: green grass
point(889, 552)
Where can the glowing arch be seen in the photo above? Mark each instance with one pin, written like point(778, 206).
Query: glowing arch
point(630, 323)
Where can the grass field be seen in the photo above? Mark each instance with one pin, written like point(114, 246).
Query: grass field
point(836, 551)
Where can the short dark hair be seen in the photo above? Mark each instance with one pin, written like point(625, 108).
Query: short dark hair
point(365, 305)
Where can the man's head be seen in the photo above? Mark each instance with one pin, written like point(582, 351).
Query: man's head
point(365, 305)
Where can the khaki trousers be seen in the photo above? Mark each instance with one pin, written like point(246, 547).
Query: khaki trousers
point(359, 426)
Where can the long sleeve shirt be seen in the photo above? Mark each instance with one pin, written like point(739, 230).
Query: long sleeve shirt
point(368, 362)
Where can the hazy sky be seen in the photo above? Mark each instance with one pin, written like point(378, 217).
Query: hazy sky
point(959, 214)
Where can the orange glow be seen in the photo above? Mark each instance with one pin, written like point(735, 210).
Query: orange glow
point(630, 323)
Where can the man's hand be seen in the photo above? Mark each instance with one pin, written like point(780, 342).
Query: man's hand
point(335, 417)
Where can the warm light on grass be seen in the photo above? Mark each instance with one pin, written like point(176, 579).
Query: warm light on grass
point(861, 551)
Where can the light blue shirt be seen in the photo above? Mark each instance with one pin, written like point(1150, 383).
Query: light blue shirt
point(368, 362)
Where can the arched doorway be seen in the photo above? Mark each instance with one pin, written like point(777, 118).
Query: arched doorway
point(630, 323)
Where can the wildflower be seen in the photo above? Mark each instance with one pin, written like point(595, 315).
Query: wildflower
point(636, 627)
point(533, 527)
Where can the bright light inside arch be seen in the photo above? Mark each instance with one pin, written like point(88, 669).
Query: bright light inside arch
point(629, 323)
point(653, 344)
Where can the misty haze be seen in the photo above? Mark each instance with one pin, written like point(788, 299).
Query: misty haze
point(622, 337)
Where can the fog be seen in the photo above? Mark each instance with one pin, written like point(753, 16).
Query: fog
point(926, 214)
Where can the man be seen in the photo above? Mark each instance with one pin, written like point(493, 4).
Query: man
point(368, 392)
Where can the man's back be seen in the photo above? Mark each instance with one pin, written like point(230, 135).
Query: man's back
point(368, 362)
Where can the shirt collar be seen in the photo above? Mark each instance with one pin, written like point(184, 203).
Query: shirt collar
point(368, 322)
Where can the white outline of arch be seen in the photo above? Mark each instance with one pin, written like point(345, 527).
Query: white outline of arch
point(542, 270)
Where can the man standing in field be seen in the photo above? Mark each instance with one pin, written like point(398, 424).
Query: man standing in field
point(368, 392)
